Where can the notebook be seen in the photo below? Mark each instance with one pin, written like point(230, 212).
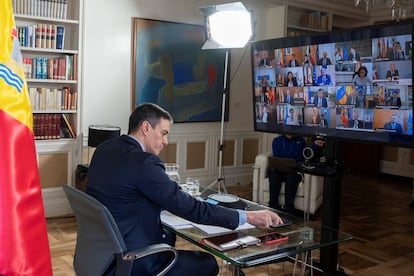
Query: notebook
point(230, 241)
point(285, 165)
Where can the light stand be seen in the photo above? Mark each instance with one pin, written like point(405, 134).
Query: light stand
point(223, 24)
point(220, 180)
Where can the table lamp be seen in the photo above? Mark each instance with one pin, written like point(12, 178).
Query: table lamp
point(99, 133)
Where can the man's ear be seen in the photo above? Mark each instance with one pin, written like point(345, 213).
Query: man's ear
point(145, 127)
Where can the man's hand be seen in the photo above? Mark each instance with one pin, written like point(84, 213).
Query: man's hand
point(263, 218)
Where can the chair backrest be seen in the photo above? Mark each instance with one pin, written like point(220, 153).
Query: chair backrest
point(98, 237)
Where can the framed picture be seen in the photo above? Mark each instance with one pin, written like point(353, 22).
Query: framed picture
point(170, 69)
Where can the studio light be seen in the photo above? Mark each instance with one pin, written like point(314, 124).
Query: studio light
point(227, 26)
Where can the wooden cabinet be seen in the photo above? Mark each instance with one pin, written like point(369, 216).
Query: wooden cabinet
point(50, 35)
point(303, 21)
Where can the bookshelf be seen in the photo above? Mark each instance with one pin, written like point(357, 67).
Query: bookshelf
point(304, 21)
point(50, 36)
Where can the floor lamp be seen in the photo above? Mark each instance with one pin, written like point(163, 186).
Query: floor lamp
point(223, 24)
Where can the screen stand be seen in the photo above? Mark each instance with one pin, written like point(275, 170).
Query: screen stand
point(331, 171)
point(220, 179)
point(331, 205)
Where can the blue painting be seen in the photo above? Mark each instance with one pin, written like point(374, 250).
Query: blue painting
point(171, 70)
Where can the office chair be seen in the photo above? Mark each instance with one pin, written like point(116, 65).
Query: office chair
point(99, 243)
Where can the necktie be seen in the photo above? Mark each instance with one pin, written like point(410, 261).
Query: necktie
point(393, 125)
point(320, 103)
point(353, 101)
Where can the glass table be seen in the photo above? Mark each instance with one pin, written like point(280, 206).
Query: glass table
point(304, 236)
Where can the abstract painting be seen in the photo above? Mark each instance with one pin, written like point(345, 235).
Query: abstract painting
point(170, 69)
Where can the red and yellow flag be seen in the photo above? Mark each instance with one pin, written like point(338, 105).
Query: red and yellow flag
point(24, 247)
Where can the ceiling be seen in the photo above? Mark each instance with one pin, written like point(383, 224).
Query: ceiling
point(346, 14)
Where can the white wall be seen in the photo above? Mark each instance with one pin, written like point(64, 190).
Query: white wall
point(107, 60)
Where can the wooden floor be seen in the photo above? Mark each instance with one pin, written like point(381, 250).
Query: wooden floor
point(373, 209)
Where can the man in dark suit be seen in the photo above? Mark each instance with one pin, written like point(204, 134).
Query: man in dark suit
point(293, 62)
point(396, 52)
point(394, 125)
point(129, 178)
point(289, 97)
point(355, 122)
point(320, 100)
point(324, 78)
point(264, 60)
point(393, 73)
point(354, 99)
point(324, 60)
point(353, 55)
point(394, 100)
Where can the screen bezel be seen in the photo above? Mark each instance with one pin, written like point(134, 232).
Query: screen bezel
point(361, 33)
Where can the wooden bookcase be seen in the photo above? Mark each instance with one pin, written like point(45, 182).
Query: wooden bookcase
point(304, 21)
point(58, 152)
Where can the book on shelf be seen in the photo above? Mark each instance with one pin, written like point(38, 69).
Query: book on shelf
point(46, 126)
point(230, 241)
point(66, 124)
point(60, 37)
point(43, 8)
point(62, 68)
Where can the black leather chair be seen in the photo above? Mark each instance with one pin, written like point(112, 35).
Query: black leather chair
point(99, 243)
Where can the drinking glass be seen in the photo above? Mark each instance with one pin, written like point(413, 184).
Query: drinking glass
point(171, 169)
point(193, 186)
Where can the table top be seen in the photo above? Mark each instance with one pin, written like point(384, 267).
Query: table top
point(303, 236)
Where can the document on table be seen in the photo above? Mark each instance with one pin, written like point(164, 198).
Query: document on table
point(174, 221)
point(210, 229)
point(177, 222)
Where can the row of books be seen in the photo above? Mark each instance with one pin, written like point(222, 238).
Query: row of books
point(46, 36)
point(44, 8)
point(64, 68)
point(52, 126)
point(52, 99)
point(315, 20)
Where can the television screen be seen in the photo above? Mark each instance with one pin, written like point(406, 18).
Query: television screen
point(351, 84)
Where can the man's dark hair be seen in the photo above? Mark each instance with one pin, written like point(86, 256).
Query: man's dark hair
point(147, 112)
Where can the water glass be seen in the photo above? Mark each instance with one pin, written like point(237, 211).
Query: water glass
point(171, 170)
point(193, 186)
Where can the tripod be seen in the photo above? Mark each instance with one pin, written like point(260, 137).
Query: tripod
point(220, 179)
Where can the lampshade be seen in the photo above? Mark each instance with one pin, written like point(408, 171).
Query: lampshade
point(99, 133)
point(227, 26)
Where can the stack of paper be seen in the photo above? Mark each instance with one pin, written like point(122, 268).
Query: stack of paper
point(180, 223)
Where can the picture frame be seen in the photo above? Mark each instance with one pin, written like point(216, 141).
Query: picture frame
point(170, 69)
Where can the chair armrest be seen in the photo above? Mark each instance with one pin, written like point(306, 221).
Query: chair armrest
point(150, 250)
point(259, 174)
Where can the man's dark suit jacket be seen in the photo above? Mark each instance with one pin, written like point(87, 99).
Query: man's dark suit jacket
point(358, 122)
point(392, 74)
point(133, 185)
point(358, 101)
point(324, 101)
point(351, 57)
point(390, 101)
point(398, 127)
point(293, 63)
point(327, 61)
